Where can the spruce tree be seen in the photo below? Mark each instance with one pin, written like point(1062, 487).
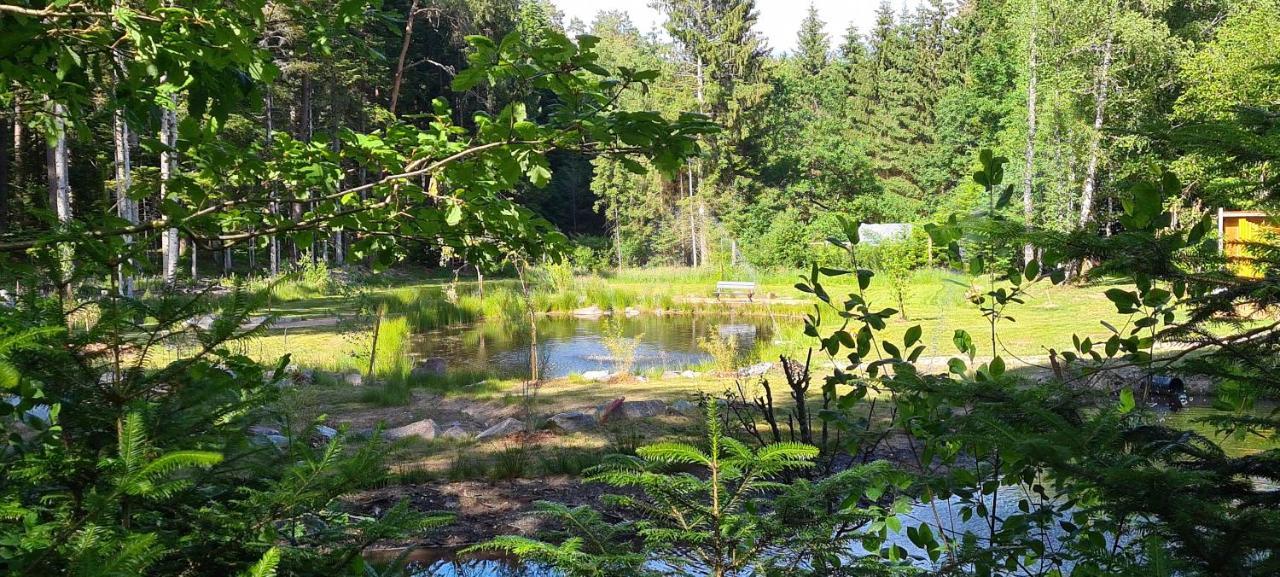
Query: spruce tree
point(812, 44)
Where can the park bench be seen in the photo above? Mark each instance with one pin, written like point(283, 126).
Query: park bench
point(735, 287)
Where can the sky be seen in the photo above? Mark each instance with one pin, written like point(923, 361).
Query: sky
point(779, 19)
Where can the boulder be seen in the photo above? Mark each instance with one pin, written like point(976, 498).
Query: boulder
point(456, 432)
point(621, 410)
point(591, 312)
point(571, 422)
point(683, 407)
point(322, 435)
point(429, 367)
point(755, 370)
point(304, 377)
point(606, 411)
point(328, 433)
point(690, 374)
point(631, 312)
point(505, 428)
point(262, 436)
point(424, 429)
point(353, 379)
point(597, 376)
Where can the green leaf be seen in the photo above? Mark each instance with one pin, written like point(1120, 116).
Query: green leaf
point(454, 216)
point(1032, 270)
point(1127, 402)
point(912, 336)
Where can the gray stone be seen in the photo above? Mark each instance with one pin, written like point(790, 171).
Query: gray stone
point(505, 428)
point(429, 367)
point(328, 433)
point(304, 377)
point(630, 410)
point(755, 370)
point(597, 376)
point(683, 407)
point(262, 436)
point(572, 421)
point(690, 374)
point(456, 432)
point(424, 429)
point(632, 312)
point(591, 312)
point(353, 379)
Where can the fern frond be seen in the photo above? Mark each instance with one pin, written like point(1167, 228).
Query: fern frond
point(266, 566)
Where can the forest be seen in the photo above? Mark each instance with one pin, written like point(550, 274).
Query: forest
point(469, 288)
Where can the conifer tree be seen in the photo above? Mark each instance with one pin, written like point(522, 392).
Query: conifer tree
point(812, 44)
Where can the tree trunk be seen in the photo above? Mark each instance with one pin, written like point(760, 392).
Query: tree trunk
point(617, 233)
point(17, 147)
point(693, 224)
point(274, 246)
point(61, 187)
point(1095, 143)
point(308, 129)
point(126, 208)
point(404, 52)
point(4, 174)
point(168, 166)
point(1029, 166)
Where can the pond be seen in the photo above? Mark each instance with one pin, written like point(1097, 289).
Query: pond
point(568, 345)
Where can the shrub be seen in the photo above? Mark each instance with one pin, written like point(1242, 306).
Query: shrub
point(621, 347)
point(723, 351)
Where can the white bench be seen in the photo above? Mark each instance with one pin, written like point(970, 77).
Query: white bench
point(735, 287)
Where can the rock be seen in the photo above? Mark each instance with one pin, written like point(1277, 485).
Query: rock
point(322, 435)
point(632, 312)
point(755, 370)
point(505, 428)
point(597, 376)
point(424, 429)
point(304, 377)
point(683, 407)
point(606, 411)
point(571, 421)
point(690, 374)
point(456, 432)
point(429, 367)
point(591, 312)
point(353, 379)
point(262, 436)
point(670, 374)
point(619, 409)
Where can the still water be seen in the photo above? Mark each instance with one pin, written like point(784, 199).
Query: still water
point(569, 345)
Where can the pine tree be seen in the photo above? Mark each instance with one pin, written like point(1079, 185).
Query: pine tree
point(812, 44)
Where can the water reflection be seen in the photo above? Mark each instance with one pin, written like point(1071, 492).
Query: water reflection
point(572, 345)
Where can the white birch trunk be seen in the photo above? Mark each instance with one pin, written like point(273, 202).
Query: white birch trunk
point(1101, 89)
point(62, 186)
point(168, 166)
point(1029, 166)
point(126, 208)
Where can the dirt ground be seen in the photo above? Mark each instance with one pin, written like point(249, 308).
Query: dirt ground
point(483, 510)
